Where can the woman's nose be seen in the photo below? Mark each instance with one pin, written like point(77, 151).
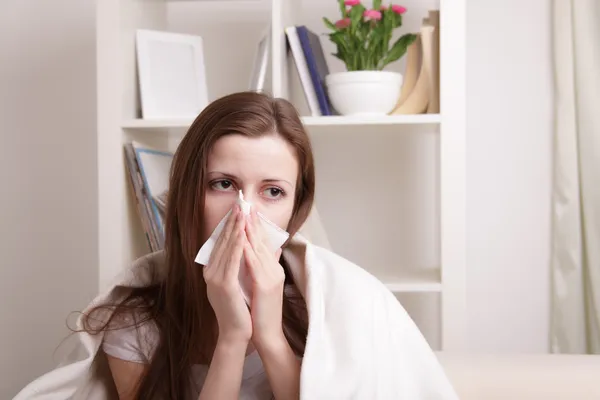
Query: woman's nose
point(249, 196)
point(252, 197)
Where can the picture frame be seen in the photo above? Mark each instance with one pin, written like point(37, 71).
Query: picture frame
point(171, 74)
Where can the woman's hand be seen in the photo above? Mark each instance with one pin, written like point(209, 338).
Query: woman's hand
point(222, 284)
point(268, 278)
point(280, 362)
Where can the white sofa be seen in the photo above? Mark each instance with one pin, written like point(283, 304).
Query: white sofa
point(523, 376)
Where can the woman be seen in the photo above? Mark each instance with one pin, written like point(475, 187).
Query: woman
point(197, 316)
point(179, 330)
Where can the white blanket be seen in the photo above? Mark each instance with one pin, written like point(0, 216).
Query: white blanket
point(361, 343)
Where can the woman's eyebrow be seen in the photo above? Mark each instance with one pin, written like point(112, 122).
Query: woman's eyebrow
point(235, 178)
point(225, 174)
point(277, 180)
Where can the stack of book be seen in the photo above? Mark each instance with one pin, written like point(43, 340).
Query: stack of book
point(148, 170)
point(312, 68)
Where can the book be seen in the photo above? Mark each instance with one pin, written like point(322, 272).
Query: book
point(312, 68)
point(149, 171)
point(434, 47)
point(317, 66)
point(302, 68)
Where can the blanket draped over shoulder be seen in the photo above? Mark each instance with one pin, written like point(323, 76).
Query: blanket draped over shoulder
point(361, 343)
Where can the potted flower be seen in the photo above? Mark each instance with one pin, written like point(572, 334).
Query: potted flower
point(363, 38)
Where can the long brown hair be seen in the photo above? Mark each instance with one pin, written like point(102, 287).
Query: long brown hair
point(177, 303)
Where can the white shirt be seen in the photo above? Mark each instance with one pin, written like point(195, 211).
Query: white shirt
point(137, 345)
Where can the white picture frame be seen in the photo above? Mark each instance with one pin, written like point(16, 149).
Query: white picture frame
point(172, 74)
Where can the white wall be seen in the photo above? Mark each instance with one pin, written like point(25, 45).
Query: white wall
point(509, 114)
point(47, 173)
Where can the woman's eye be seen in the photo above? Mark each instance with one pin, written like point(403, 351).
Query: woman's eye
point(222, 185)
point(273, 193)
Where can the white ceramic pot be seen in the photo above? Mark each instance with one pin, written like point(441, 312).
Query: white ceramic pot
point(368, 93)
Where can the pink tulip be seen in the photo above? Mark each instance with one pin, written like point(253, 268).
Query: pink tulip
point(382, 8)
point(352, 3)
point(372, 14)
point(343, 23)
point(398, 9)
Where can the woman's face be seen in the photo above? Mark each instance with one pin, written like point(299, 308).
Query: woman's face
point(265, 169)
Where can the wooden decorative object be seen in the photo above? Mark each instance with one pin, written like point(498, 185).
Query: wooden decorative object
point(420, 90)
point(413, 67)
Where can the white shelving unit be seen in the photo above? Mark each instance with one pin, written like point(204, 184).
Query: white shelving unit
point(120, 235)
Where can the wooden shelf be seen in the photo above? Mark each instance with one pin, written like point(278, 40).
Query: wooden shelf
point(156, 124)
point(414, 281)
point(420, 119)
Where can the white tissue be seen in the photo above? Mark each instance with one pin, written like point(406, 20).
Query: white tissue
point(274, 234)
point(244, 205)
